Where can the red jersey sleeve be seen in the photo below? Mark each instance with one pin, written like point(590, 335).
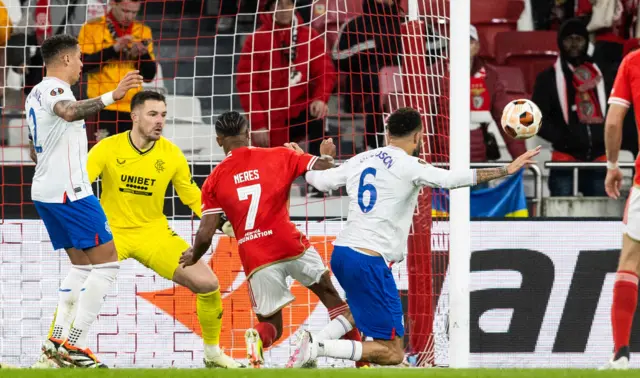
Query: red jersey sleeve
point(621, 93)
point(210, 204)
point(297, 163)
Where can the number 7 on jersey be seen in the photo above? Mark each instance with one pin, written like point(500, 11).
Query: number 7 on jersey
point(254, 192)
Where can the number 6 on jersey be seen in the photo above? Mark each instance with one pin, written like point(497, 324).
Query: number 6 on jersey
point(244, 193)
point(364, 188)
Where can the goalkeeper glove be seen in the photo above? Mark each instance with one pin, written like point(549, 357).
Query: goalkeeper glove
point(225, 226)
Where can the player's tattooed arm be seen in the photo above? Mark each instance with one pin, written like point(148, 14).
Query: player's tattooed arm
point(488, 174)
point(76, 110)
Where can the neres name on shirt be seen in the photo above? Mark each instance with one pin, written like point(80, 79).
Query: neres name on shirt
point(246, 176)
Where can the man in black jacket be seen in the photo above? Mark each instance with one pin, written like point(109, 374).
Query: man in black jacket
point(571, 95)
point(366, 44)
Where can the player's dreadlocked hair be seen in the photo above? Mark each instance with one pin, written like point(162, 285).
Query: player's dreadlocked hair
point(230, 124)
point(403, 122)
point(55, 45)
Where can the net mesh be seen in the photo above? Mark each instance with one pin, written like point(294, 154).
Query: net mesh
point(353, 61)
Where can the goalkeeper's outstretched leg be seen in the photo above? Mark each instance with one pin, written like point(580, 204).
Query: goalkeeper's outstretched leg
point(201, 280)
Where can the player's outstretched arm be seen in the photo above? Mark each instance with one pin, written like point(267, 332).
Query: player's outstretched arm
point(427, 175)
point(488, 174)
point(208, 225)
point(76, 110)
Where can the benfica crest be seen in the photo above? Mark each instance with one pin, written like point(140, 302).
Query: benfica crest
point(478, 101)
point(477, 98)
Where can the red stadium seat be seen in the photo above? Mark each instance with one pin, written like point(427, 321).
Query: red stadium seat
point(491, 17)
point(531, 51)
point(513, 79)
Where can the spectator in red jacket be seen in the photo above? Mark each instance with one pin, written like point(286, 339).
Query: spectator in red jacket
point(285, 78)
point(488, 99)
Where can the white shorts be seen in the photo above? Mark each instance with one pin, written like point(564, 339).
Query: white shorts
point(631, 218)
point(268, 287)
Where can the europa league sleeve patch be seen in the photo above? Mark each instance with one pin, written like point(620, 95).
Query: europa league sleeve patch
point(57, 91)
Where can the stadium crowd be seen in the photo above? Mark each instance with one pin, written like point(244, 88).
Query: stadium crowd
point(293, 66)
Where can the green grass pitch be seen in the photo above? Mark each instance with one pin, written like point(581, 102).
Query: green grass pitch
point(316, 373)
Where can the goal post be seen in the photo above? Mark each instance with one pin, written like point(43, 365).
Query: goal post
point(439, 251)
point(459, 206)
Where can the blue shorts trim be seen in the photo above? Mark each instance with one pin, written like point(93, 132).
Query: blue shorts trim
point(80, 224)
point(371, 291)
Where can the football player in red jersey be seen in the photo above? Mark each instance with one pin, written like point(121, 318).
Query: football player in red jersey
point(251, 186)
point(625, 92)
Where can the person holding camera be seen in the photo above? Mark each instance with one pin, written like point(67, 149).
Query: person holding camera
point(113, 45)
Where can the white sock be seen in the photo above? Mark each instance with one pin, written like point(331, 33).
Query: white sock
point(344, 349)
point(336, 328)
point(211, 351)
point(96, 288)
point(68, 295)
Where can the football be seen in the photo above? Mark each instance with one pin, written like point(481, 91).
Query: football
point(521, 119)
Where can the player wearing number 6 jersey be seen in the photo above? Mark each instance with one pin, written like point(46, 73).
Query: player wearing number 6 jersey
point(62, 195)
point(383, 187)
point(251, 186)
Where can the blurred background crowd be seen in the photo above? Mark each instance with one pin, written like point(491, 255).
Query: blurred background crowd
point(305, 69)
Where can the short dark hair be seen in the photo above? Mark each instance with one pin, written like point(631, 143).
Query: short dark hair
point(230, 123)
point(270, 4)
point(55, 45)
point(403, 122)
point(143, 96)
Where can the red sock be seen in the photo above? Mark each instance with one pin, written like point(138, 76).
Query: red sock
point(353, 335)
point(267, 332)
point(625, 300)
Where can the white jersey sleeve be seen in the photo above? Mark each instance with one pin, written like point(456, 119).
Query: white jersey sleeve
point(424, 174)
point(330, 179)
point(51, 97)
point(61, 146)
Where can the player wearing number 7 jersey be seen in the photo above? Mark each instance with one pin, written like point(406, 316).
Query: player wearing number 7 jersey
point(62, 195)
point(251, 186)
point(383, 187)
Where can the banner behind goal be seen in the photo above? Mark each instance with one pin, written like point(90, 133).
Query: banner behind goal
point(384, 56)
